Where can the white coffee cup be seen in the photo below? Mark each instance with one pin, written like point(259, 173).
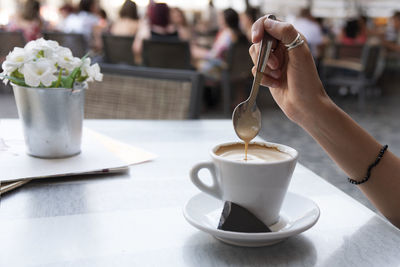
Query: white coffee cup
point(259, 187)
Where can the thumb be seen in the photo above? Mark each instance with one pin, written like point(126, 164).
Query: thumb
point(282, 31)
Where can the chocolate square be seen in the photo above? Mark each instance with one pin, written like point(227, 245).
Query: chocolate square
point(235, 218)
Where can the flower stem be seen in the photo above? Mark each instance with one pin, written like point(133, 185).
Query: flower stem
point(59, 78)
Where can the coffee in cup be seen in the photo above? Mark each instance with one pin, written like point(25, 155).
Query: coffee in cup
point(255, 153)
point(258, 184)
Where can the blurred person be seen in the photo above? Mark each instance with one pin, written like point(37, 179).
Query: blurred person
point(328, 37)
point(392, 37)
point(213, 60)
point(306, 24)
point(158, 27)
point(28, 21)
point(178, 19)
point(84, 21)
point(101, 27)
point(294, 83)
point(354, 33)
point(211, 17)
point(247, 18)
point(128, 22)
point(104, 21)
point(65, 11)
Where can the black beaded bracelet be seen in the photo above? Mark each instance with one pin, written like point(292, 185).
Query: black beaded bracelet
point(378, 158)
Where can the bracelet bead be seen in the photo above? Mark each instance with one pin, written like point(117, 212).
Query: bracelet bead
point(370, 167)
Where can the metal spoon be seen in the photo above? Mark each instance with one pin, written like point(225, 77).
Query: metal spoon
point(246, 117)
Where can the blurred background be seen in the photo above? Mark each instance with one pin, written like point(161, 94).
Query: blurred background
point(182, 59)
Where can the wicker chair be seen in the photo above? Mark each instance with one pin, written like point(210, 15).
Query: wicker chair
point(8, 41)
point(118, 49)
point(166, 54)
point(129, 92)
point(237, 74)
point(74, 41)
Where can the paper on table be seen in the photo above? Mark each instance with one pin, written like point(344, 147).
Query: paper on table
point(99, 154)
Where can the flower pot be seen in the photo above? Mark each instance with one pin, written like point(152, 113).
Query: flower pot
point(51, 119)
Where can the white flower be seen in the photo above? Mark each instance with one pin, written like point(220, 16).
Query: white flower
point(39, 71)
point(85, 66)
point(41, 61)
point(92, 72)
point(48, 47)
point(15, 60)
point(66, 60)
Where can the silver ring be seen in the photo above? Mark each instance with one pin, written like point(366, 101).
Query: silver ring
point(296, 42)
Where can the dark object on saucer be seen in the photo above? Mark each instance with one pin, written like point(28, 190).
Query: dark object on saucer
point(235, 218)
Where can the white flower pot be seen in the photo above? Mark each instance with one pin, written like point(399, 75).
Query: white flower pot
point(51, 119)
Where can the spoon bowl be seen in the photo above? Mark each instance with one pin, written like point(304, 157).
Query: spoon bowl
point(246, 121)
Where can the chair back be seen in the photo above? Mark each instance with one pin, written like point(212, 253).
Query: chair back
point(131, 92)
point(166, 54)
point(237, 73)
point(74, 41)
point(8, 41)
point(373, 61)
point(342, 51)
point(239, 61)
point(118, 49)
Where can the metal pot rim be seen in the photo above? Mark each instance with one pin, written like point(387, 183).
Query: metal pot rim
point(77, 86)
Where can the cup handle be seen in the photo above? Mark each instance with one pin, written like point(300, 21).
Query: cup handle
point(213, 190)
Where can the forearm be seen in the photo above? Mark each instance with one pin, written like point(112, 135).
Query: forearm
point(353, 149)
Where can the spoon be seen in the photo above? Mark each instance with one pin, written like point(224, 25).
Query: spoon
point(246, 117)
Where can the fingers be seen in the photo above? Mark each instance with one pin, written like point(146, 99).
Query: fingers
point(257, 30)
point(267, 80)
point(282, 31)
point(273, 61)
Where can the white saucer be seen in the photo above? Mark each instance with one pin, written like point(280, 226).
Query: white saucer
point(298, 214)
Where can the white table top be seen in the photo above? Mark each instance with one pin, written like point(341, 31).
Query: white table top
point(135, 219)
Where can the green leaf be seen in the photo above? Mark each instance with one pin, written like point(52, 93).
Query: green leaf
point(81, 78)
point(85, 56)
point(75, 75)
point(69, 80)
point(15, 80)
point(17, 74)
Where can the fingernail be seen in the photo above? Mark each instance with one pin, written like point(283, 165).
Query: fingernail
point(268, 23)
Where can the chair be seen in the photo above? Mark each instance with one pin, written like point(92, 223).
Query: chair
point(358, 75)
point(118, 49)
point(237, 73)
point(8, 41)
point(342, 51)
point(74, 41)
point(166, 54)
point(130, 92)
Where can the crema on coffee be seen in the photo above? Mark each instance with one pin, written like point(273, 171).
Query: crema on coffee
point(255, 153)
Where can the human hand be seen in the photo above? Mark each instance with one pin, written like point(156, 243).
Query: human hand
point(290, 75)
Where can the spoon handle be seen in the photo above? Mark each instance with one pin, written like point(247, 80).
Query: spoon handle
point(267, 43)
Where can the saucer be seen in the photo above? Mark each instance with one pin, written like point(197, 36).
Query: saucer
point(297, 214)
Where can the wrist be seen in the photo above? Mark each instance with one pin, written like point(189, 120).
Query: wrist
point(318, 111)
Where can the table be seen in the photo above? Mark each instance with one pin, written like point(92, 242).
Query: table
point(135, 219)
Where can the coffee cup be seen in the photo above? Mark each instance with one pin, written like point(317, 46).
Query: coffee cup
point(258, 184)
